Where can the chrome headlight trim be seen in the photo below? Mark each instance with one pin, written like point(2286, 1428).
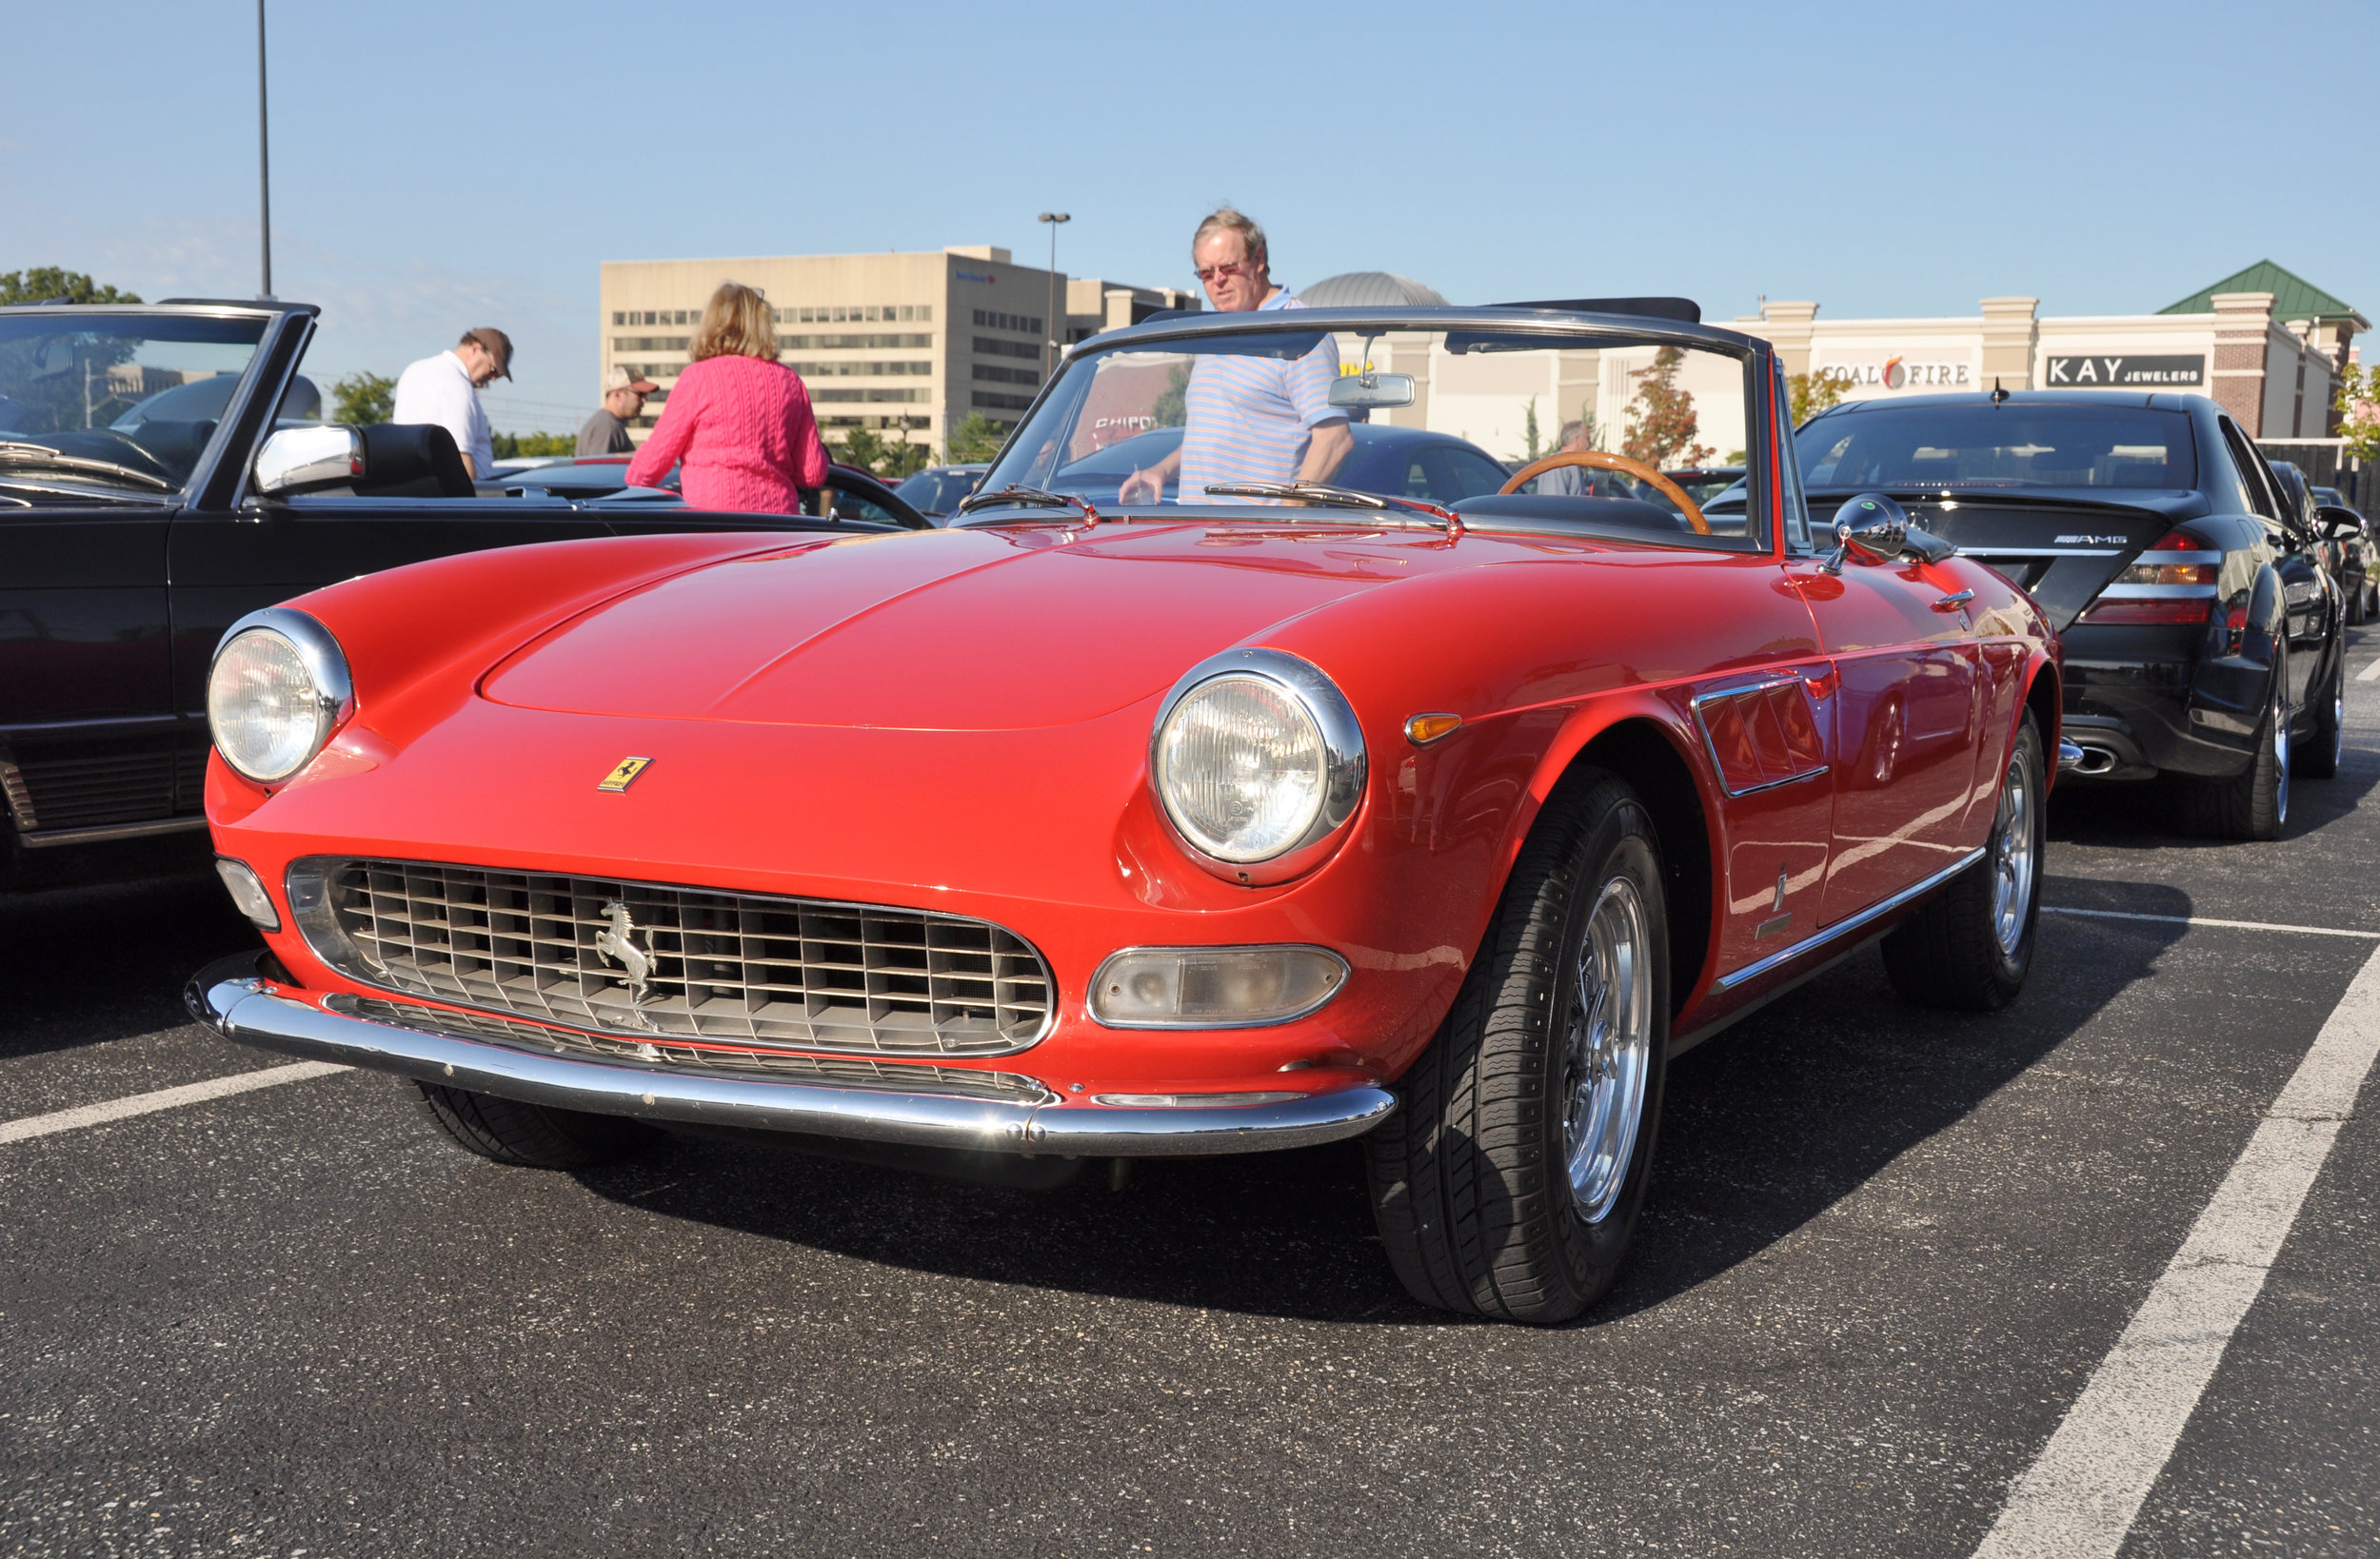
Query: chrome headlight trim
point(1345, 765)
point(325, 666)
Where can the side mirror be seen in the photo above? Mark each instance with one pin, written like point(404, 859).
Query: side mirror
point(302, 460)
point(2338, 523)
point(1870, 527)
point(1371, 391)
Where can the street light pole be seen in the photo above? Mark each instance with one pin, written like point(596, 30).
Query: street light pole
point(264, 156)
point(1056, 323)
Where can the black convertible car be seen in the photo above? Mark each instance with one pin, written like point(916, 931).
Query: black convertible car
point(162, 473)
point(2201, 622)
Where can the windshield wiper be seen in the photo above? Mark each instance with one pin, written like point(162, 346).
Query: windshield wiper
point(1030, 498)
point(1323, 494)
point(41, 454)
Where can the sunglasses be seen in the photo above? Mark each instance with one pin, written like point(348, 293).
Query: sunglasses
point(1211, 274)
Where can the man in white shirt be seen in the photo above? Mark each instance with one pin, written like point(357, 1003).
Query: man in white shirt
point(445, 389)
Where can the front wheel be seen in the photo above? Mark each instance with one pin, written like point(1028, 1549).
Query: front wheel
point(1509, 1183)
point(530, 1135)
point(1970, 949)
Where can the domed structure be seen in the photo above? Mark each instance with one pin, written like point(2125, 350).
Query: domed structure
point(1369, 289)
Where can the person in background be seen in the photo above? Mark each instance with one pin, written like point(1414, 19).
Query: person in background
point(607, 432)
point(445, 391)
point(1249, 418)
point(1579, 481)
point(738, 423)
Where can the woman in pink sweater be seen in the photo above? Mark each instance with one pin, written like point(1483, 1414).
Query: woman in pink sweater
point(738, 422)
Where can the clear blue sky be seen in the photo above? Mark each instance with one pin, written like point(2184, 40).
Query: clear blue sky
point(439, 164)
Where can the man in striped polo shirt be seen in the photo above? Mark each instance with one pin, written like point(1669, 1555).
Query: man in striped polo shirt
point(1249, 418)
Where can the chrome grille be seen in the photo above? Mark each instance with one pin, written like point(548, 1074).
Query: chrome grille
point(741, 968)
point(846, 1071)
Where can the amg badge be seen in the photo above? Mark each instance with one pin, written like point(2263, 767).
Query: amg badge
point(624, 773)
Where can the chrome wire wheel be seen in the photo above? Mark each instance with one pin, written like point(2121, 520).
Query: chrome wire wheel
point(2013, 858)
point(1607, 1050)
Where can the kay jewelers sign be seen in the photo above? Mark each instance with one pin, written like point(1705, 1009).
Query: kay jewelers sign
point(2111, 373)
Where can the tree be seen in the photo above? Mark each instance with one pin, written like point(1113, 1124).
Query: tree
point(1811, 393)
point(43, 283)
point(1661, 419)
point(515, 446)
point(362, 397)
point(1529, 429)
point(2358, 404)
point(887, 458)
point(1172, 406)
point(976, 438)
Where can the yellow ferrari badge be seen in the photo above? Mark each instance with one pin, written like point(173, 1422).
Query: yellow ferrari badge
point(621, 776)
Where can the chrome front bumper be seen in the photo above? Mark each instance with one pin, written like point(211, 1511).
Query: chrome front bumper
point(230, 998)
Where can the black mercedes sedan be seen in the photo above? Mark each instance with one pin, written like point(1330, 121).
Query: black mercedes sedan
point(163, 472)
point(2201, 622)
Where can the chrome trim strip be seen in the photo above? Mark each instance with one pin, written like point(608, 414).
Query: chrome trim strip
point(44, 838)
point(1711, 745)
point(2041, 551)
point(230, 998)
point(20, 800)
point(2160, 592)
point(1844, 928)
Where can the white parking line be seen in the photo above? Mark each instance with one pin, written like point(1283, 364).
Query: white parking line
point(2370, 673)
point(2203, 921)
point(164, 1099)
point(2081, 1494)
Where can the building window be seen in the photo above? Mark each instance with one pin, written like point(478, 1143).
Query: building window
point(1029, 324)
point(859, 368)
point(810, 344)
point(1002, 403)
point(856, 314)
point(1007, 376)
point(649, 343)
point(846, 396)
point(1010, 348)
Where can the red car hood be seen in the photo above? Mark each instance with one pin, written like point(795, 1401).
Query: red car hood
point(962, 630)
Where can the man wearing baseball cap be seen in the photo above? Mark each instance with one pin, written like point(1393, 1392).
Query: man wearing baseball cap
point(445, 389)
point(607, 432)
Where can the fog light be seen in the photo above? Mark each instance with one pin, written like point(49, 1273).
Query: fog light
point(1214, 987)
point(248, 893)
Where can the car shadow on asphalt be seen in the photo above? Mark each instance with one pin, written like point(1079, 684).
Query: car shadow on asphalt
point(82, 966)
point(1766, 1127)
point(2144, 816)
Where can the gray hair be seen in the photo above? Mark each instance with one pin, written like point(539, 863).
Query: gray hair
point(1570, 431)
point(1232, 219)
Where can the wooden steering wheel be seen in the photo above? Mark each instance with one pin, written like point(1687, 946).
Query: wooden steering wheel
point(1621, 463)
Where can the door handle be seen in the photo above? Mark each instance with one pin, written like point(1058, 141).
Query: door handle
point(1952, 604)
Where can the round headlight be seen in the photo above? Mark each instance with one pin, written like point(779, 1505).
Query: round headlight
point(1257, 756)
point(277, 690)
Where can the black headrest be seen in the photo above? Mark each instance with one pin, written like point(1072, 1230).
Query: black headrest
point(1560, 514)
point(411, 460)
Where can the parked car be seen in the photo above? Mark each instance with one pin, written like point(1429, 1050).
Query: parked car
point(2357, 567)
point(850, 493)
point(938, 489)
point(150, 497)
point(1084, 830)
point(2200, 618)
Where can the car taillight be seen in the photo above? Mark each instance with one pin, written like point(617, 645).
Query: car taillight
point(2149, 571)
point(2134, 613)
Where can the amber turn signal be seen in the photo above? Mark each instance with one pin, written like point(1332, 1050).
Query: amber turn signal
point(1423, 729)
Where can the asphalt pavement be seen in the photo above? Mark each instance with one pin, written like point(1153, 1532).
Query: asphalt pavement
point(1885, 1254)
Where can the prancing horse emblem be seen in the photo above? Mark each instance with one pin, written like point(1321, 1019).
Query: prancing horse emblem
point(618, 945)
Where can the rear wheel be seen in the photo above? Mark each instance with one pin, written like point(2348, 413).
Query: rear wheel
point(1970, 949)
point(530, 1135)
point(1509, 1183)
point(2253, 803)
point(2318, 756)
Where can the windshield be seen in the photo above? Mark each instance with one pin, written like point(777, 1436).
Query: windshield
point(1447, 418)
point(124, 400)
point(2014, 445)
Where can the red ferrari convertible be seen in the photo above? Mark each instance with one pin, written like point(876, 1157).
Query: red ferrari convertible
point(1220, 809)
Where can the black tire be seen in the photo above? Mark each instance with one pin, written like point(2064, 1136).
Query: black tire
point(2318, 756)
point(2356, 611)
point(530, 1135)
point(2253, 803)
point(1472, 1179)
point(1957, 952)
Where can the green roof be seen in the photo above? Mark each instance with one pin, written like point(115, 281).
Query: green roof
point(2293, 297)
